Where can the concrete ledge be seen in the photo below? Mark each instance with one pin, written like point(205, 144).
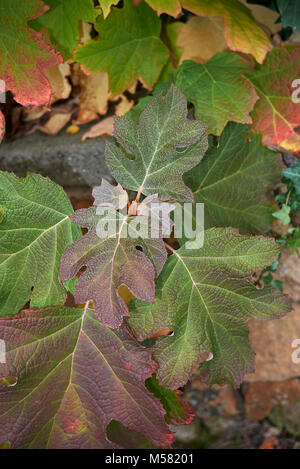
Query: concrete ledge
point(63, 158)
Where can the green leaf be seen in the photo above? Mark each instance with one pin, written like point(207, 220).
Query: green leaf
point(294, 241)
point(25, 57)
point(62, 20)
point(35, 231)
point(129, 47)
point(113, 258)
point(232, 181)
point(293, 174)
point(178, 412)
point(106, 6)
point(290, 13)
point(73, 377)
point(283, 214)
point(205, 297)
point(218, 90)
point(164, 145)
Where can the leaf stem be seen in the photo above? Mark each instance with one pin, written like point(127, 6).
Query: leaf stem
point(169, 247)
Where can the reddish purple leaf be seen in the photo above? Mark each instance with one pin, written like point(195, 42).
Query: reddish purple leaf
point(74, 376)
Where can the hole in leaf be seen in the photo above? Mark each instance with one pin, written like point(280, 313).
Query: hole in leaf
point(181, 149)
point(8, 381)
point(162, 333)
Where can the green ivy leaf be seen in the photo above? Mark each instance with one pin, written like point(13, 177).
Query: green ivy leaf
point(129, 47)
point(232, 181)
point(62, 20)
point(293, 174)
point(290, 13)
point(218, 90)
point(205, 297)
point(73, 377)
point(283, 214)
point(35, 231)
point(164, 145)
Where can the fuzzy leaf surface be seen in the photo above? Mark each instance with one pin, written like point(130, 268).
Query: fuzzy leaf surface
point(241, 31)
point(62, 21)
point(218, 90)
point(164, 145)
point(129, 41)
point(275, 115)
point(112, 261)
point(25, 57)
point(205, 297)
point(233, 179)
point(73, 377)
point(34, 233)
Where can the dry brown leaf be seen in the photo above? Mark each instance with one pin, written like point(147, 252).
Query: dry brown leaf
point(265, 17)
point(56, 122)
point(201, 38)
point(123, 106)
point(84, 31)
point(60, 84)
point(94, 96)
point(32, 113)
point(101, 129)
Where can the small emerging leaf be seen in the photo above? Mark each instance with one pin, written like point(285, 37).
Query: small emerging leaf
point(113, 258)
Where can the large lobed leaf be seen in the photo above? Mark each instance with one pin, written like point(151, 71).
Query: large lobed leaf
point(34, 233)
point(129, 47)
point(62, 21)
point(74, 376)
point(164, 145)
point(114, 259)
point(241, 31)
point(25, 57)
point(218, 90)
point(205, 297)
point(275, 114)
point(233, 179)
